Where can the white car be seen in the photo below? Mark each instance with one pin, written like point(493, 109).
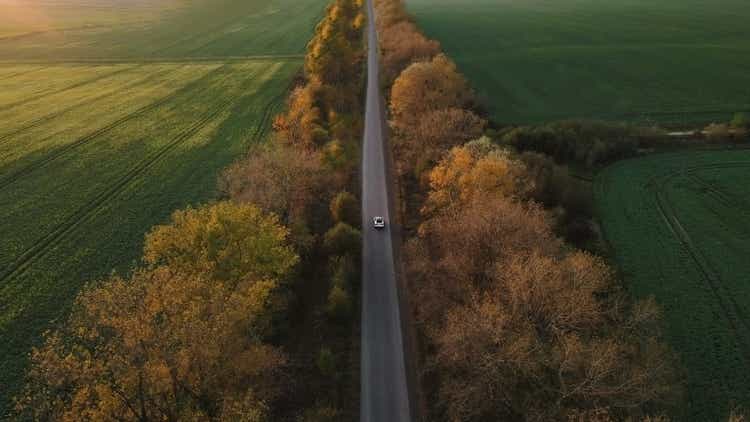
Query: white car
point(378, 222)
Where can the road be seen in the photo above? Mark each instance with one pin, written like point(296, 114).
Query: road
point(384, 394)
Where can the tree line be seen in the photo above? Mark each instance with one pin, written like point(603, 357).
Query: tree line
point(243, 309)
point(513, 322)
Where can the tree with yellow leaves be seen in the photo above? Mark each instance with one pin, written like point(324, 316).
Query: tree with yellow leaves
point(476, 168)
point(182, 340)
point(226, 241)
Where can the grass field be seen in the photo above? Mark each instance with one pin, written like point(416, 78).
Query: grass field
point(679, 225)
point(111, 121)
point(677, 62)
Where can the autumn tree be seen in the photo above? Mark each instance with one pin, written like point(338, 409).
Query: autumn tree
point(475, 169)
point(345, 208)
point(283, 180)
point(184, 340)
point(424, 87)
point(342, 240)
point(402, 44)
point(524, 329)
point(225, 241)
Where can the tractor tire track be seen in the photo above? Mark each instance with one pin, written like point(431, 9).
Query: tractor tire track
point(14, 177)
point(23, 73)
point(86, 212)
point(265, 121)
point(41, 120)
point(739, 325)
point(67, 88)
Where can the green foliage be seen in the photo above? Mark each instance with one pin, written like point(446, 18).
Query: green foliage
point(339, 305)
point(225, 241)
point(345, 272)
point(741, 121)
point(343, 239)
point(585, 143)
point(345, 208)
point(677, 225)
point(326, 362)
point(537, 61)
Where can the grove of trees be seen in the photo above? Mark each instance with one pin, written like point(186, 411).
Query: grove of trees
point(513, 323)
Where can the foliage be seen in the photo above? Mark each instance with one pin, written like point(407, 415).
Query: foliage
point(326, 362)
point(585, 143)
point(549, 327)
point(424, 87)
point(162, 345)
point(472, 170)
point(343, 239)
point(225, 241)
point(345, 208)
point(740, 121)
point(339, 305)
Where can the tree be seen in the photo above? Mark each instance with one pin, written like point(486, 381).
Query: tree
point(343, 239)
point(345, 208)
point(162, 345)
point(225, 241)
point(424, 87)
point(402, 44)
point(302, 124)
point(282, 180)
point(472, 170)
point(339, 305)
point(420, 146)
point(522, 328)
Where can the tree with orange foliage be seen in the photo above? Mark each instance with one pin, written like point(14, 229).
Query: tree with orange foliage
point(183, 341)
point(402, 44)
point(472, 170)
point(424, 87)
point(523, 328)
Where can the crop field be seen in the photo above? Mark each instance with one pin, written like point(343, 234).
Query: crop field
point(679, 225)
point(673, 62)
point(111, 121)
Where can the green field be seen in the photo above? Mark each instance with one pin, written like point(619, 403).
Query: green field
point(110, 119)
point(679, 224)
point(676, 62)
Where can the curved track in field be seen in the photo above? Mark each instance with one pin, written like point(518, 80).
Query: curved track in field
point(732, 311)
point(87, 211)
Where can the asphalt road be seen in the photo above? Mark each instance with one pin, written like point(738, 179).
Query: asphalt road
point(384, 394)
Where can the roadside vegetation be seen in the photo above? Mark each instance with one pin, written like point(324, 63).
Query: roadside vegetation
point(243, 309)
point(113, 115)
point(512, 322)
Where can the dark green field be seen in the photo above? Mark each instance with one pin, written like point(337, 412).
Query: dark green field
point(679, 225)
point(113, 115)
point(677, 62)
